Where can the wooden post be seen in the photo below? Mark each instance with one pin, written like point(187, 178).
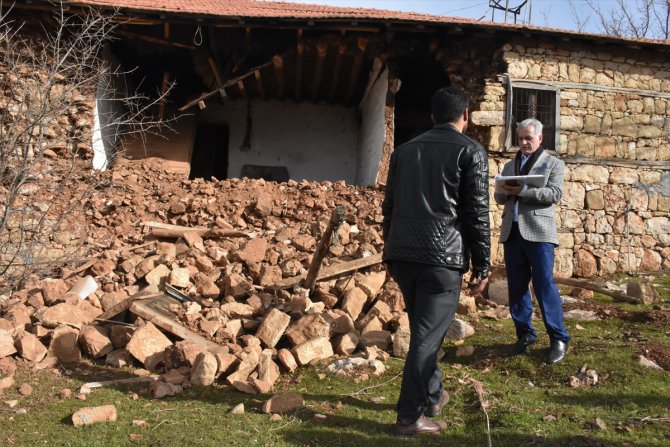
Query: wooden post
point(215, 71)
point(259, 84)
point(278, 63)
point(336, 219)
point(240, 86)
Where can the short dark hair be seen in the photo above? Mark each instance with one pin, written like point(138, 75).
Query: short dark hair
point(448, 104)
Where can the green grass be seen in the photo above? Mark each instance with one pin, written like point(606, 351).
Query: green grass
point(531, 404)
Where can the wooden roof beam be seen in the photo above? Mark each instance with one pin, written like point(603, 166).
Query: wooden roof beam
point(300, 49)
point(336, 72)
point(356, 69)
point(321, 52)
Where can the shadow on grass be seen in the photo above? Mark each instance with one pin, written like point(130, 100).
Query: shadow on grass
point(382, 435)
point(614, 400)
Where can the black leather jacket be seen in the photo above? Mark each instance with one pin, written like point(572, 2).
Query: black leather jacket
point(436, 204)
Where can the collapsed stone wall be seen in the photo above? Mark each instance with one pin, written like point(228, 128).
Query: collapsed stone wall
point(614, 129)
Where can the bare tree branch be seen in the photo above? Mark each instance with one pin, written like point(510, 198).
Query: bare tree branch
point(634, 18)
point(49, 85)
point(580, 21)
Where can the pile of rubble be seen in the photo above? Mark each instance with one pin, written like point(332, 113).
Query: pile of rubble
point(234, 254)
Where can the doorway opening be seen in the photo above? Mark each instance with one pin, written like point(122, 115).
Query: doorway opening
point(210, 151)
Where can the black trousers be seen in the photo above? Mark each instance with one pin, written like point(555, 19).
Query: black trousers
point(431, 296)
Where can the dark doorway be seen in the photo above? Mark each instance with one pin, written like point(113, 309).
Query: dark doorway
point(210, 152)
point(421, 75)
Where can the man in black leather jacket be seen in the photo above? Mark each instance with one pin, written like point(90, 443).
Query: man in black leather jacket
point(436, 219)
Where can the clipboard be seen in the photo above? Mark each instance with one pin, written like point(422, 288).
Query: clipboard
point(530, 180)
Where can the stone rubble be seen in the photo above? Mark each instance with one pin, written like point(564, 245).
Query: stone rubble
point(260, 232)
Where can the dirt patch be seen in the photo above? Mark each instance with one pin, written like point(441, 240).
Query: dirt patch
point(659, 353)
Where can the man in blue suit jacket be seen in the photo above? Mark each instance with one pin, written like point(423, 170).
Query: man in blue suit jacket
point(529, 235)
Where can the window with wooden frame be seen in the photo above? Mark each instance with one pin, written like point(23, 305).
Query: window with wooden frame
point(533, 100)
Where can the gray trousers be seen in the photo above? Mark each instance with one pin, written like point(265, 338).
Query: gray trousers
point(431, 297)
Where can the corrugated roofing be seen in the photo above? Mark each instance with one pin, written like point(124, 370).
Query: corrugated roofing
point(284, 10)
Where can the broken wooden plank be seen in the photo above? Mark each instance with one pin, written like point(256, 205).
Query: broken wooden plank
point(331, 271)
point(88, 387)
point(170, 231)
point(143, 309)
point(336, 219)
point(226, 84)
point(582, 284)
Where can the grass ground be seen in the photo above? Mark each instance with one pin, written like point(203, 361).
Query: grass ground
point(529, 403)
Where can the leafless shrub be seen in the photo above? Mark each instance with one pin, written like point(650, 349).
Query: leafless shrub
point(48, 88)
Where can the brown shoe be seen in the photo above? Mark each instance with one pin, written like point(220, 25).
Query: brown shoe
point(434, 410)
point(422, 425)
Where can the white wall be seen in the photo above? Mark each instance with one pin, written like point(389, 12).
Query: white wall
point(105, 138)
point(314, 141)
point(373, 126)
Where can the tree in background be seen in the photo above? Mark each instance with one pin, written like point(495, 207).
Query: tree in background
point(50, 81)
point(631, 18)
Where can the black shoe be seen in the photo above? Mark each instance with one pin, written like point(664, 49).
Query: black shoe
point(434, 410)
point(557, 351)
point(421, 425)
point(522, 344)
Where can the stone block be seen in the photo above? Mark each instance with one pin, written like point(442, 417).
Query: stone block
point(307, 328)
point(315, 349)
point(401, 342)
point(95, 341)
point(287, 359)
point(29, 347)
point(64, 344)
point(180, 277)
point(353, 302)
point(204, 369)
point(283, 403)
point(78, 314)
point(595, 200)
point(148, 345)
point(380, 339)
point(460, 330)
point(346, 344)
point(273, 327)
point(372, 284)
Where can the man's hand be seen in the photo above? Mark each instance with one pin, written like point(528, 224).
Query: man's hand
point(476, 286)
point(512, 189)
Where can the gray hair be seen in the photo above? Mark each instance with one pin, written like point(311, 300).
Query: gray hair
point(530, 122)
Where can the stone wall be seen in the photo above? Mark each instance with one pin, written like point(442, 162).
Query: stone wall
point(614, 129)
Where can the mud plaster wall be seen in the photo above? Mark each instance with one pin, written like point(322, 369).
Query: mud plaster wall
point(372, 132)
point(613, 216)
point(314, 141)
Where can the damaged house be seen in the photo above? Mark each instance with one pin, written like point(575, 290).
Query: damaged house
point(294, 91)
